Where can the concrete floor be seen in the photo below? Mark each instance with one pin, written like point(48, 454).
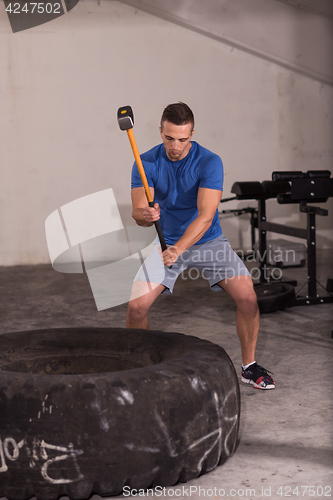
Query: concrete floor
point(285, 434)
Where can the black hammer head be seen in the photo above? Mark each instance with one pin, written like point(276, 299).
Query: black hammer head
point(125, 118)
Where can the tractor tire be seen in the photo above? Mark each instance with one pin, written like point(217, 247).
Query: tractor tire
point(101, 411)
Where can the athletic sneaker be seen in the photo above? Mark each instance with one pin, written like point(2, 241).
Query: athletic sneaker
point(258, 376)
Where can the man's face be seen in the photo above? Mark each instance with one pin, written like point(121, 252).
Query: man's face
point(176, 140)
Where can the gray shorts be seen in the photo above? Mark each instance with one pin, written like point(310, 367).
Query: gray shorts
point(214, 260)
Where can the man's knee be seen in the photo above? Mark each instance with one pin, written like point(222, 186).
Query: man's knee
point(247, 301)
point(137, 310)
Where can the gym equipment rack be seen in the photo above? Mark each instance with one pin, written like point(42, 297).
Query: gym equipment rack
point(314, 186)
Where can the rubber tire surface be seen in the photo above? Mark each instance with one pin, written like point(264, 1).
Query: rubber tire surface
point(90, 410)
point(274, 296)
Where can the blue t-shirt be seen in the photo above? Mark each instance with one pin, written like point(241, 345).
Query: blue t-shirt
point(176, 185)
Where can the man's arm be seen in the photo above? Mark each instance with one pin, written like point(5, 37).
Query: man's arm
point(208, 200)
point(142, 213)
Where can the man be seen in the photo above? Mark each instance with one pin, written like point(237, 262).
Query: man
point(186, 182)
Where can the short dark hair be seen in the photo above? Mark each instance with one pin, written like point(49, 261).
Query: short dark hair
point(178, 114)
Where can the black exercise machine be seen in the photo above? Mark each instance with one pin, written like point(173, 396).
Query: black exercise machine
point(314, 186)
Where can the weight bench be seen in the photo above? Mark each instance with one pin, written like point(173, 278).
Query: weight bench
point(314, 186)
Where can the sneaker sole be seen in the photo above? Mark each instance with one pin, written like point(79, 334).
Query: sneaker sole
point(256, 386)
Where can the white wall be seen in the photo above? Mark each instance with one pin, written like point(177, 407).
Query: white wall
point(62, 83)
point(275, 31)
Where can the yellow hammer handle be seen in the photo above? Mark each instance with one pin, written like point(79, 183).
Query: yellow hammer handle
point(139, 165)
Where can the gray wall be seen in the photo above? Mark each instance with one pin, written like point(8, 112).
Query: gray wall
point(278, 32)
point(61, 85)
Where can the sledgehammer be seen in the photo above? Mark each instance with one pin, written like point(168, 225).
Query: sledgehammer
point(126, 122)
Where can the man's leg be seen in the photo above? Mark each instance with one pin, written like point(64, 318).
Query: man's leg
point(240, 289)
point(142, 298)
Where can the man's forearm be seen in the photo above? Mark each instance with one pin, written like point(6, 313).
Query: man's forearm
point(137, 215)
point(193, 233)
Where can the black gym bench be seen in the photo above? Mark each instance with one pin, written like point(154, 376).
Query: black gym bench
point(314, 186)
